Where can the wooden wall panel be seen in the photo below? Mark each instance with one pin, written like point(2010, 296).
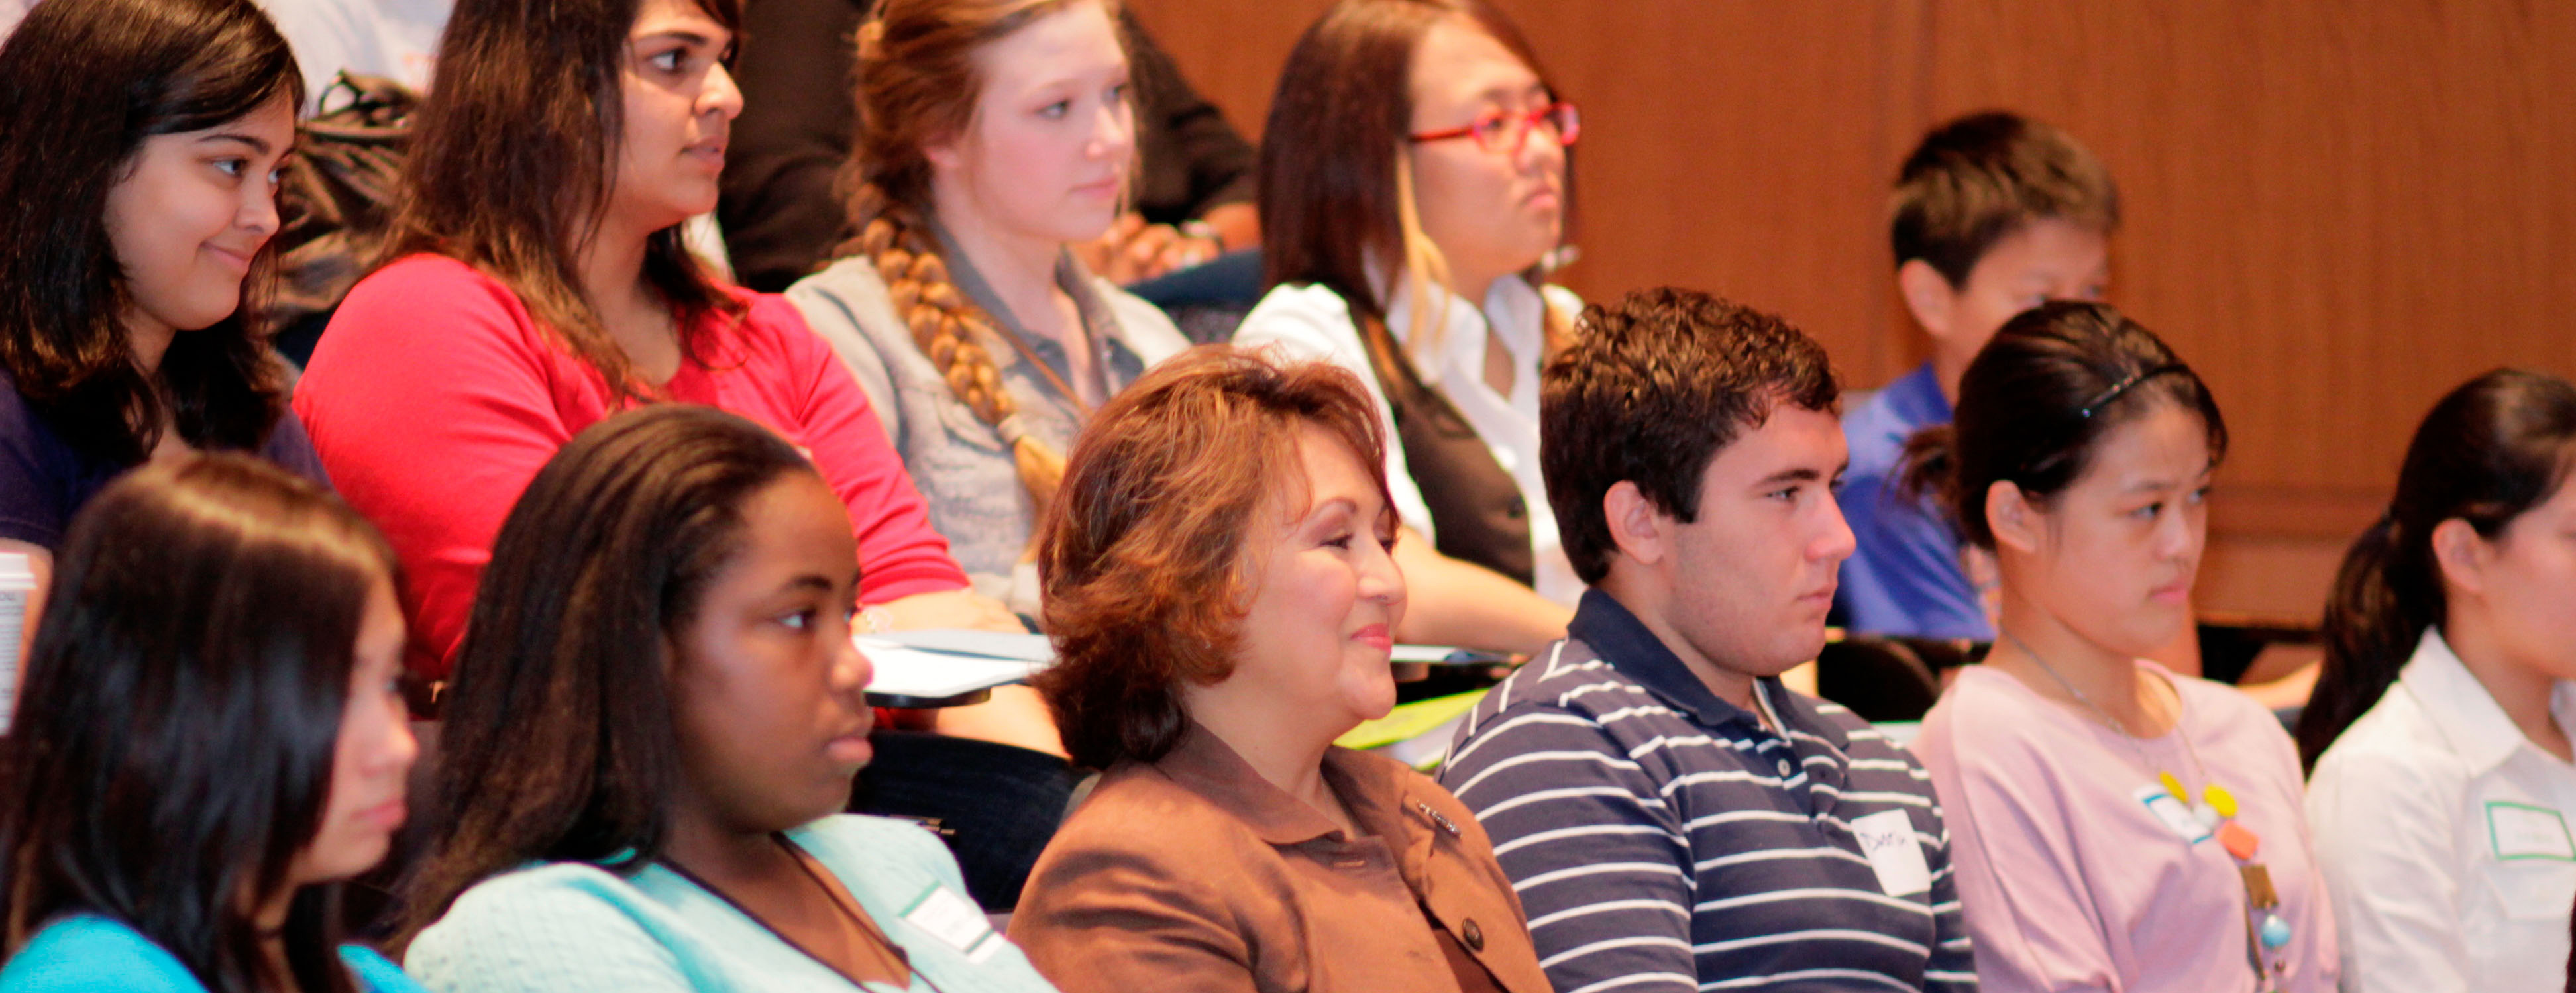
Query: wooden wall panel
point(2336, 211)
point(1728, 147)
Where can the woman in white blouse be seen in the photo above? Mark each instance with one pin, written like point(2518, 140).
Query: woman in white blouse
point(2441, 808)
point(1413, 181)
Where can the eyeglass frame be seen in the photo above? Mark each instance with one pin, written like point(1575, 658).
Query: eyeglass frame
point(1566, 133)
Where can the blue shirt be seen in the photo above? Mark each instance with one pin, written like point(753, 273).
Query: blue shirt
point(44, 480)
point(91, 954)
point(1904, 577)
point(573, 927)
point(1663, 840)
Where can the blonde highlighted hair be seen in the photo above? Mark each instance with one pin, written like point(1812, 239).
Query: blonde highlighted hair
point(1336, 192)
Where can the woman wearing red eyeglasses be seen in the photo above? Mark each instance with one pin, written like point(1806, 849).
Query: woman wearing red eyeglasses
point(1413, 191)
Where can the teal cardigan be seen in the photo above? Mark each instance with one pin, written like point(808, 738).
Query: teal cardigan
point(573, 927)
point(91, 954)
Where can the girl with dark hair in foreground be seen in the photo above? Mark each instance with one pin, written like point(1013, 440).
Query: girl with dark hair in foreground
point(209, 739)
point(655, 721)
point(2439, 726)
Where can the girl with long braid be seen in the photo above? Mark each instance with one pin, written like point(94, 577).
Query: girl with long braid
point(996, 133)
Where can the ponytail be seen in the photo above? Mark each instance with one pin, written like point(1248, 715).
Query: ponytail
point(2489, 450)
point(2383, 600)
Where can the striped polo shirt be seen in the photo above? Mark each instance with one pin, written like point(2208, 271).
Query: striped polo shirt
point(1662, 839)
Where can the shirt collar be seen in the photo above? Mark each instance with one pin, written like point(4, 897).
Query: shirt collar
point(1098, 320)
point(1513, 309)
point(1204, 764)
point(1629, 646)
point(2461, 708)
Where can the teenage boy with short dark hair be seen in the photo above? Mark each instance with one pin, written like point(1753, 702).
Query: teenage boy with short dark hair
point(1993, 214)
point(1670, 814)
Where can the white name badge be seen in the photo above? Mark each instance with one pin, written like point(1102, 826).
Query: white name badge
point(956, 922)
point(2523, 831)
point(2173, 814)
point(1887, 837)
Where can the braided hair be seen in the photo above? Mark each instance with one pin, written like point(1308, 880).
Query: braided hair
point(917, 82)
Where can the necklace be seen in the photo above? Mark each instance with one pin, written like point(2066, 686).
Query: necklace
point(848, 913)
point(2266, 934)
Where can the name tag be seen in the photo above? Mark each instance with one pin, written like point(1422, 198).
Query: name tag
point(2173, 814)
point(2523, 831)
point(956, 922)
point(1887, 837)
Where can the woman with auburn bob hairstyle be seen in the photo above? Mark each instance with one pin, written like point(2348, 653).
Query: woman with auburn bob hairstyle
point(138, 195)
point(993, 135)
point(1413, 185)
point(2439, 726)
point(1222, 600)
point(208, 741)
point(651, 736)
point(537, 284)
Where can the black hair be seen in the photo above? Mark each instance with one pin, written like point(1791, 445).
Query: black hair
point(2039, 399)
point(561, 740)
point(1649, 392)
point(2488, 451)
point(82, 85)
point(1977, 179)
point(174, 744)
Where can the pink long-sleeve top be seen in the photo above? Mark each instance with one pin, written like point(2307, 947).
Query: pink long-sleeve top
point(2071, 883)
point(434, 398)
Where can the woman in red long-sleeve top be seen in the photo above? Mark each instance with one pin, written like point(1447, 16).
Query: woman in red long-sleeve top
point(539, 284)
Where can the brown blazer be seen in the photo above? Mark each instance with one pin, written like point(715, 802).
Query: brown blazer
point(1195, 874)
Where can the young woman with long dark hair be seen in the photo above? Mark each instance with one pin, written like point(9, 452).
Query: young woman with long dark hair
point(2439, 727)
point(208, 739)
point(652, 733)
point(1414, 180)
point(538, 283)
point(2114, 825)
point(138, 193)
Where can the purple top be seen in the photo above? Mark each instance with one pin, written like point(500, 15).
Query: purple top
point(2070, 881)
point(44, 480)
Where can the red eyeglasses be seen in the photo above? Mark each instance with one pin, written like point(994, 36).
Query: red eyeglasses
point(1507, 130)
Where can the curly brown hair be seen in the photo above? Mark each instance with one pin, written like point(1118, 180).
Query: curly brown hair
point(1140, 557)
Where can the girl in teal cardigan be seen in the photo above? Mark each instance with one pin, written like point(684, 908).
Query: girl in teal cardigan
point(208, 739)
point(656, 716)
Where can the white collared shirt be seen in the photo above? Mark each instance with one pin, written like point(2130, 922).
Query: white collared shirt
point(2444, 837)
point(1312, 322)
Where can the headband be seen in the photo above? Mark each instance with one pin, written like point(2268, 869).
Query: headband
point(2125, 385)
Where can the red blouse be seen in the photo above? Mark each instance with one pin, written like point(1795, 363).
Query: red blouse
point(434, 398)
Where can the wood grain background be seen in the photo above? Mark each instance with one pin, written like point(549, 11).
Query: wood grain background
point(2336, 210)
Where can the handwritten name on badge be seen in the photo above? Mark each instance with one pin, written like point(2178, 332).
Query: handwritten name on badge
point(2173, 814)
point(2523, 831)
point(956, 922)
point(1887, 837)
